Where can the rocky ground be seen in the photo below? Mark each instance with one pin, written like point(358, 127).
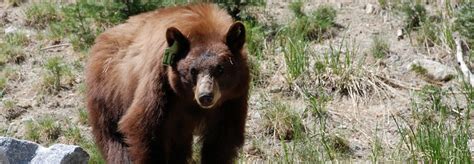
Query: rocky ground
point(385, 88)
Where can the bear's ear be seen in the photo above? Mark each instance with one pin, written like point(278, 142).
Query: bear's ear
point(178, 43)
point(235, 38)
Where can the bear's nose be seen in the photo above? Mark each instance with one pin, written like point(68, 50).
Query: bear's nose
point(206, 99)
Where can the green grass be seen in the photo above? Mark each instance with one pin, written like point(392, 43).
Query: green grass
point(83, 116)
point(56, 70)
point(255, 45)
point(93, 151)
point(282, 123)
point(296, 8)
point(464, 22)
point(8, 104)
point(438, 135)
point(296, 57)
point(12, 49)
point(49, 128)
point(312, 26)
point(379, 48)
point(419, 69)
point(39, 15)
point(383, 3)
point(17, 39)
point(415, 14)
point(32, 131)
point(3, 85)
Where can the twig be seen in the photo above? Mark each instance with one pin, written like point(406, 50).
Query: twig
point(55, 46)
point(462, 65)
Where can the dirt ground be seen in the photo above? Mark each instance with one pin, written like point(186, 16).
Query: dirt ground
point(358, 121)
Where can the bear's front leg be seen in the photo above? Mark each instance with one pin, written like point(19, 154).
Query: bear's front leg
point(138, 134)
point(225, 135)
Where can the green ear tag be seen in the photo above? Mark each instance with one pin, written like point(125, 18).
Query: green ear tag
point(169, 54)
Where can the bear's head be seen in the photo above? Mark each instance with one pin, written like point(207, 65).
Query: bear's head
point(208, 71)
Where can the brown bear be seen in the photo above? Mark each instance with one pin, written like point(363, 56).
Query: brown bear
point(164, 76)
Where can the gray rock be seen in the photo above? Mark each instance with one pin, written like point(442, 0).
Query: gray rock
point(22, 152)
point(435, 70)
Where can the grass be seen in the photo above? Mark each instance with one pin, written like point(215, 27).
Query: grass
point(296, 57)
point(282, 123)
point(379, 48)
point(438, 135)
point(83, 116)
point(3, 85)
point(45, 130)
point(39, 15)
point(296, 8)
point(311, 26)
point(12, 49)
point(464, 22)
point(434, 134)
point(56, 70)
point(415, 15)
point(419, 69)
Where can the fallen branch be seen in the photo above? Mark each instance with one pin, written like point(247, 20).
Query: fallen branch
point(56, 46)
point(462, 65)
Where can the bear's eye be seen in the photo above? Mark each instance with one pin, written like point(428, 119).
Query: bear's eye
point(220, 69)
point(193, 71)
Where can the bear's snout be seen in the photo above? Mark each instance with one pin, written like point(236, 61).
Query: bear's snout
point(206, 99)
point(207, 92)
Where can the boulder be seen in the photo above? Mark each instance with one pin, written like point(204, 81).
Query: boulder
point(15, 151)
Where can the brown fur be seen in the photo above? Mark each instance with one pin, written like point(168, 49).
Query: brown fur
point(144, 112)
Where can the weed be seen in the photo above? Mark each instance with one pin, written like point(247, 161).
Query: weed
point(317, 106)
point(14, 2)
point(464, 22)
point(282, 123)
point(39, 15)
point(322, 20)
point(296, 8)
point(296, 59)
point(376, 147)
point(415, 15)
point(379, 48)
point(49, 128)
point(32, 131)
point(73, 134)
point(93, 151)
point(10, 53)
point(419, 69)
point(17, 39)
point(383, 4)
point(83, 116)
point(3, 85)
point(84, 20)
point(435, 137)
point(55, 71)
point(8, 104)
point(255, 44)
point(313, 26)
point(11, 111)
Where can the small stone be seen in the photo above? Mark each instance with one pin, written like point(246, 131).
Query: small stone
point(369, 8)
point(400, 34)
